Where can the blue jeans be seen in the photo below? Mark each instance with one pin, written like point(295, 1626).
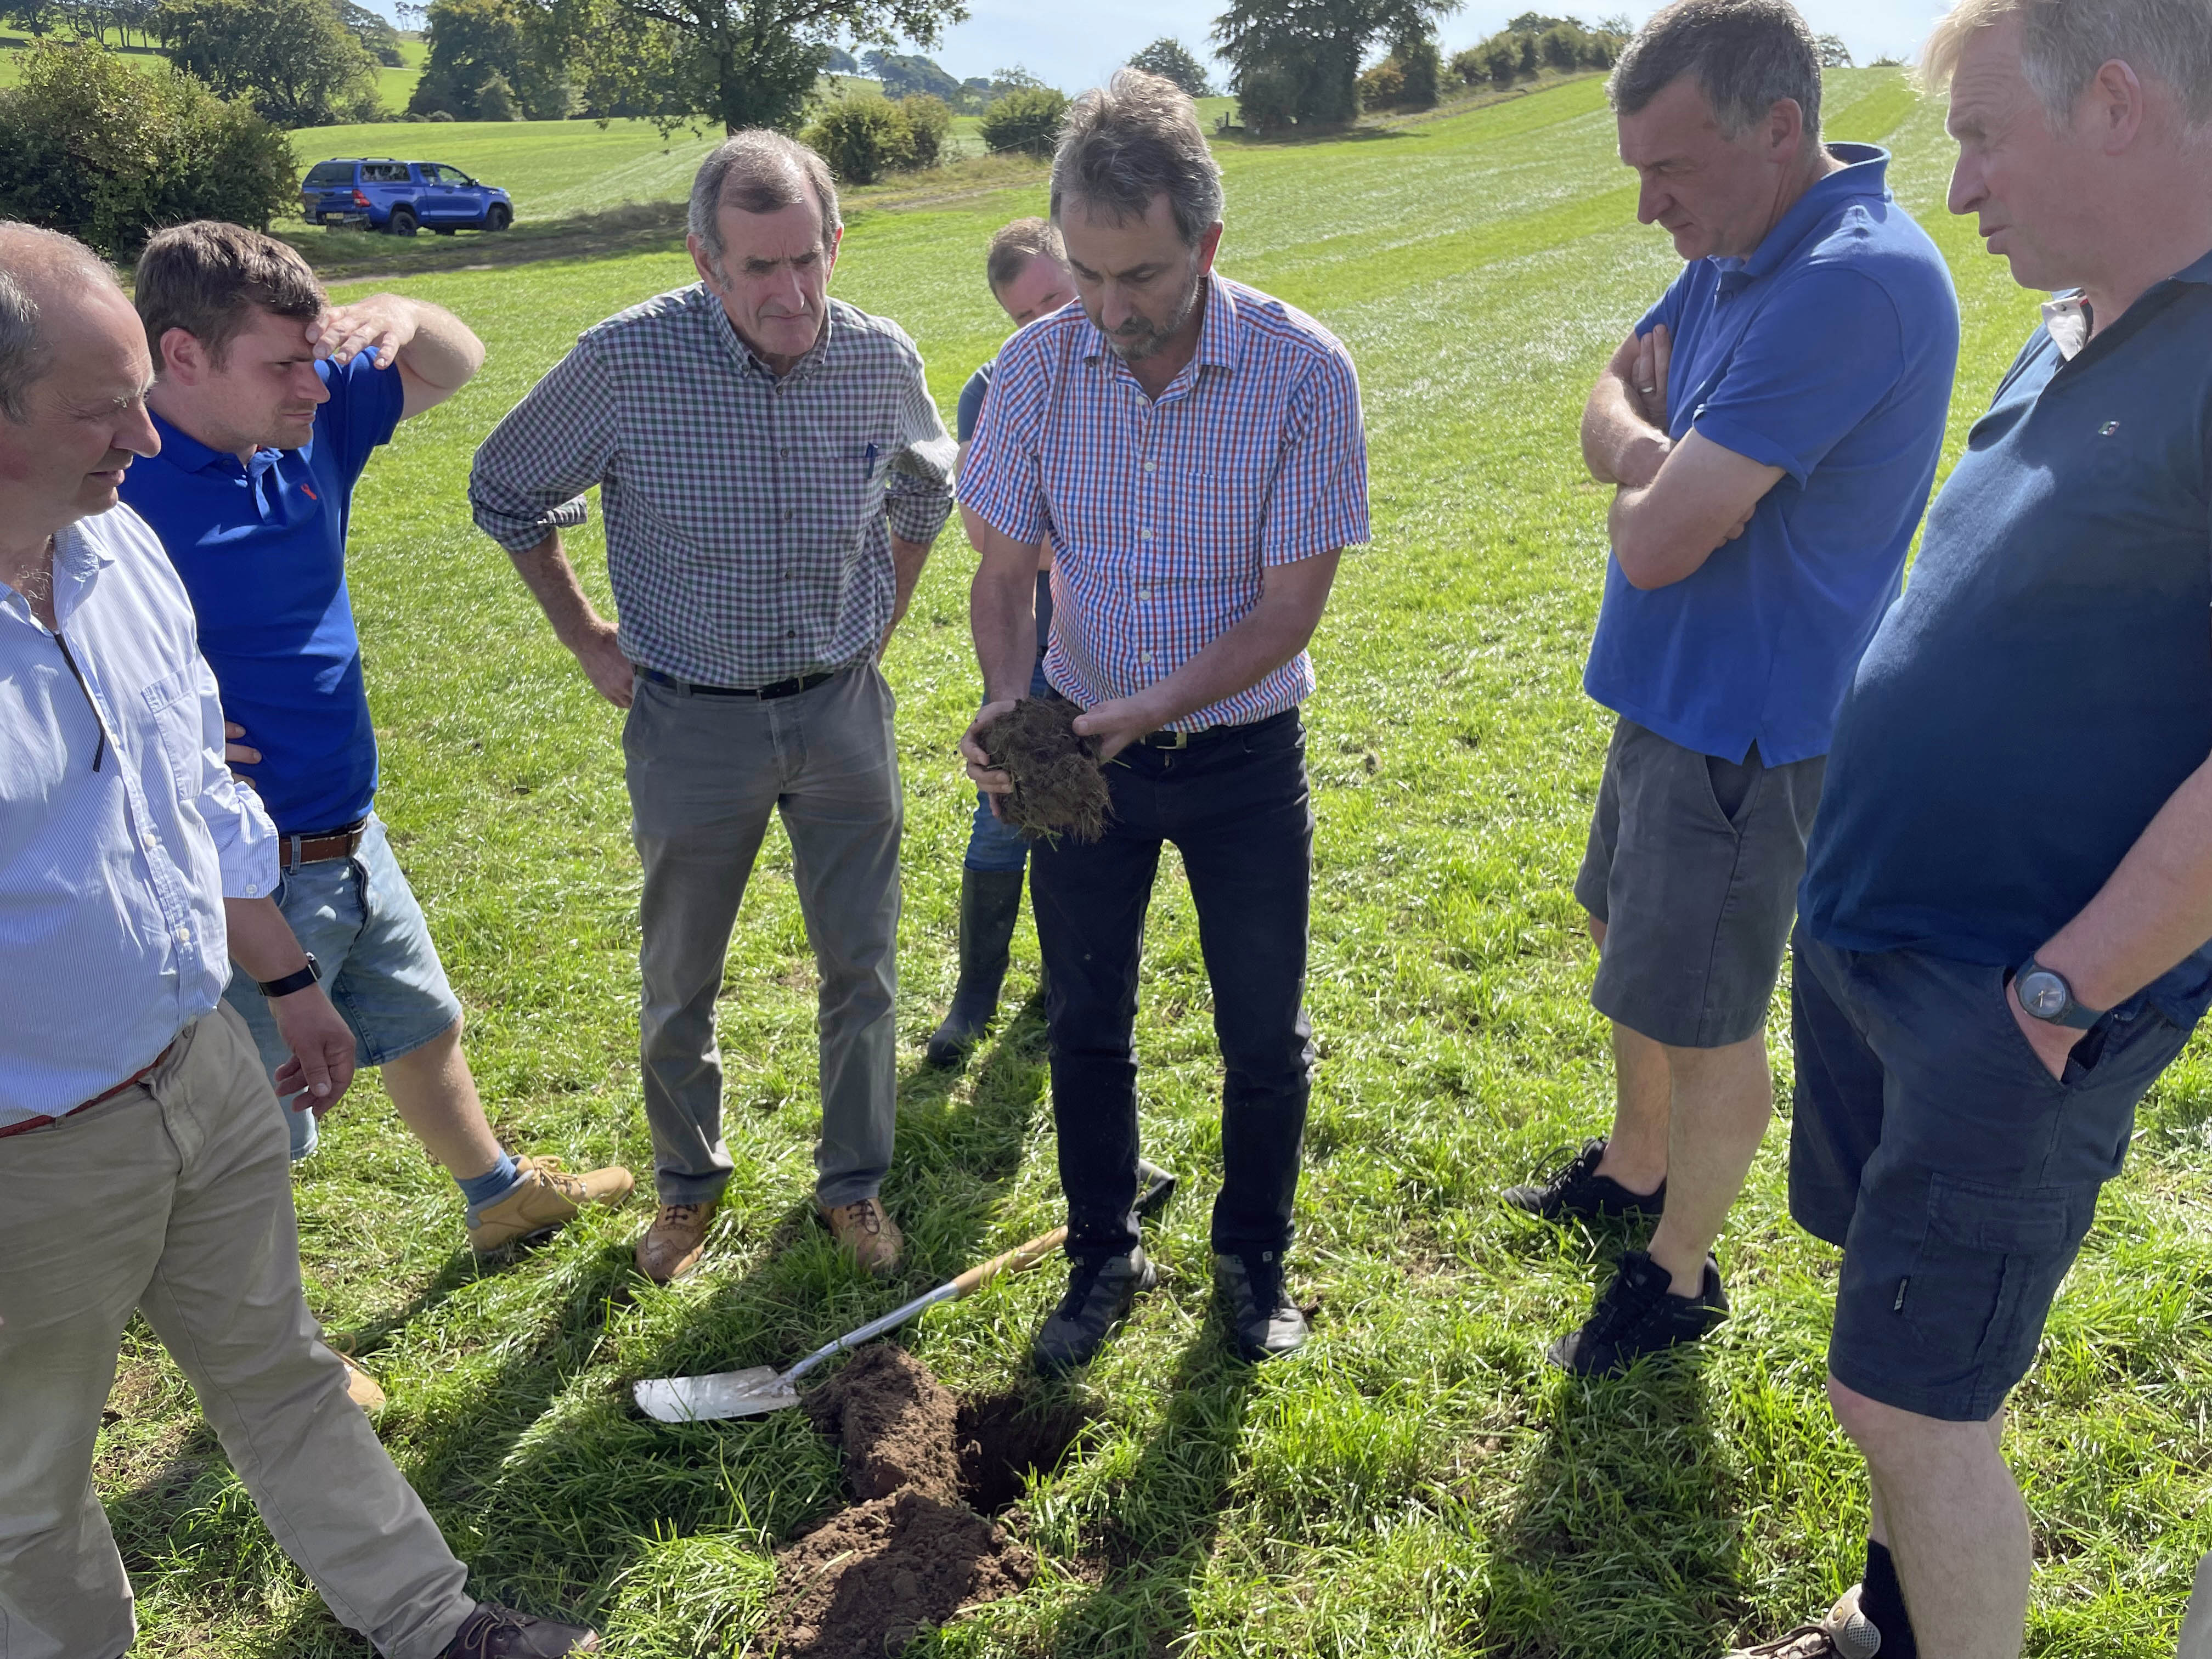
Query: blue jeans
point(1236, 803)
point(359, 919)
point(994, 844)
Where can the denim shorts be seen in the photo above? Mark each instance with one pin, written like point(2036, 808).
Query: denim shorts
point(1692, 867)
point(359, 919)
point(1931, 1143)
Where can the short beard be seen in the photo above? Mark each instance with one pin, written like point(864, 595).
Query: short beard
point(1154, 340)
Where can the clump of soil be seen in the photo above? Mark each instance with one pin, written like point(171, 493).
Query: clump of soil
point(911, 1553)
point(1059, 788)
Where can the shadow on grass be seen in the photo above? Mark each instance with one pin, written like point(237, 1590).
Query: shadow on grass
point(1626, 1539)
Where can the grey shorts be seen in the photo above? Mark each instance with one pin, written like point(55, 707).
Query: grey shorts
point(1692, 867)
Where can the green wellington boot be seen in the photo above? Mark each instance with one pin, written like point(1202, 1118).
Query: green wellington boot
point(990, 904)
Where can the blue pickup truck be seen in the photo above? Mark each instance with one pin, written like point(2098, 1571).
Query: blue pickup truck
point(400, 197)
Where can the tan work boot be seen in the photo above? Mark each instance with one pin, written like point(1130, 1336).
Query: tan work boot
point(672, 1246)
point(361, 1389)
point(545, 1199)
point(869, 1236)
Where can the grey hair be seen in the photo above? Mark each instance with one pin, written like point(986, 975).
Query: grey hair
point(1133, 139)
point(758, 171)
point(2063, 43)
point(28, 252)
point(1745, 55)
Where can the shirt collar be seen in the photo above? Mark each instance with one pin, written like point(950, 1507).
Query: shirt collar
point(1864, 173)
point(748, 357)
point(2066, 319)
point(188, 454)
point(1217, 333)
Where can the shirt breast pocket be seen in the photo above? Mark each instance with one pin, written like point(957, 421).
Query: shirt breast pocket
point(174, 705)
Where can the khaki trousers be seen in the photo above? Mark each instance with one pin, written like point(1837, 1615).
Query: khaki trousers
point(174, 1199)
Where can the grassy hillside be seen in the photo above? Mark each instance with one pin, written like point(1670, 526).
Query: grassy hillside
point(1417, 1483)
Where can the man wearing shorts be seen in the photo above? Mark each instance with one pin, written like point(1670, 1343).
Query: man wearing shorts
point(2009, 891)
point(1771, 427)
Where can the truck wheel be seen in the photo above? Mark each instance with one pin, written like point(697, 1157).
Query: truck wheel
point(403, 221)
point(498, 216)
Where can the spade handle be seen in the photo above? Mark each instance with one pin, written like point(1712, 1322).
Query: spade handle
point(1018, 1260)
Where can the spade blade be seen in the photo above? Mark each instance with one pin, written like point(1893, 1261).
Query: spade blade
point(706, 1399)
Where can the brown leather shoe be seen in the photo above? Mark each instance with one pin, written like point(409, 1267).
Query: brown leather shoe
point(544, 1198)
point(672, 1246)
point(496, 1632)
point(361, 1389)
point(868, 1235)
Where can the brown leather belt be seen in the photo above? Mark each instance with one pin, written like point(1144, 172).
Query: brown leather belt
point(130, 1082)
point(319, 849)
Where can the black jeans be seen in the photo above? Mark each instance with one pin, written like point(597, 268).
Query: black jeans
point(1236, 803)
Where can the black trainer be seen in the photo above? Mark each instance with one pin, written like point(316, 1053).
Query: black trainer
point(1268, 1323)
point(1576, 1192)
point(1100, 1292)
point(496, 1633)
point(1637, 1315)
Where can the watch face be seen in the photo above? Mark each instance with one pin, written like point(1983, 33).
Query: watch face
point(2042, 993)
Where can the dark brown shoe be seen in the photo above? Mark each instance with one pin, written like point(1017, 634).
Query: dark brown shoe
point(866, 1234)
point(497, 1632)
point(672, 1246)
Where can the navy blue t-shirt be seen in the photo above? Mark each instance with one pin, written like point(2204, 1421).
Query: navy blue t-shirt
point(2045, 683)
point(261, 549)
point(1828, 353)
point(971, 409)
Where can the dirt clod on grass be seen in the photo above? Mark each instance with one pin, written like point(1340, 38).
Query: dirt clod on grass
point(911, 1553)
point(1059, 788)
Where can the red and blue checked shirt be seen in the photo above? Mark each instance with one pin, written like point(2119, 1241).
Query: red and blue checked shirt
point(1164, 517)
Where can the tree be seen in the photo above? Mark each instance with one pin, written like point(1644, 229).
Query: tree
point(1296, 63)
point(472, 41)
point(377, 36)
point(109, 154)
point(1420, 71)
point(292, 59)
point(1167, 56)
point(928, 124)
point(903, 74)
point(1834, 54)
point(861, 139)
point(1025, 120)
point(840, 62)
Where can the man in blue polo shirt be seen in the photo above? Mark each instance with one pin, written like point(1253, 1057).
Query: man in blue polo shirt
point(2008, 892)
point(269, 404)
point(1771, 426)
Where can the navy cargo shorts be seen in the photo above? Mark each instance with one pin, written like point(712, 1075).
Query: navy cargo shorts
point(1931, 1143)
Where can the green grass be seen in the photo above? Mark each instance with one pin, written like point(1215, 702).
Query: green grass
point(1417, 1484)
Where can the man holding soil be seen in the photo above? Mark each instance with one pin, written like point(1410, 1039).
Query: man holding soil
point(1771, 427)
point(1029, 281)
point(1193, 450)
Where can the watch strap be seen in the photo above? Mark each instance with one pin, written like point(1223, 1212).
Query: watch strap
point(2073, 1016)
point(298, 980)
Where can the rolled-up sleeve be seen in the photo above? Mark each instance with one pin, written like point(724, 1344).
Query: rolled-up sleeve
point(531, 473)
point(918, 497)
point(1001, 482)
point(245, 839)
point(1319, 502)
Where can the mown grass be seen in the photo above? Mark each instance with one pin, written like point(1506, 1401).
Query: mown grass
point(1417, 1483)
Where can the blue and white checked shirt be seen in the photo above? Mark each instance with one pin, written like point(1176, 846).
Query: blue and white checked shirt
point(113, 876)
point(1165, 516)
point(748, 515)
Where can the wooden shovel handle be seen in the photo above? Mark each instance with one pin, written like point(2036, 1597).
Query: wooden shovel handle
point(1020, 1259)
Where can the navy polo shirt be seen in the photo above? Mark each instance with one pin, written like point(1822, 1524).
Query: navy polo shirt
point(261, 548)
point(2045, 683)
point(970, 407)
point(1828, 353)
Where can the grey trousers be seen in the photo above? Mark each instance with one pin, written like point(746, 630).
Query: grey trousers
point(175, 1198)
point(2196, 1624)
point(706, 773)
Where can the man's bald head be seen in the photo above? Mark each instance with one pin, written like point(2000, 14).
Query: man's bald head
point(39, 270)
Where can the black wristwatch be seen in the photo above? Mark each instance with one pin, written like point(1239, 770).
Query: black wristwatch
point(2045, 995)
point(301, 981)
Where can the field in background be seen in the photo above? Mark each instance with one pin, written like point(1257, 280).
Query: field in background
point(1417, 1483)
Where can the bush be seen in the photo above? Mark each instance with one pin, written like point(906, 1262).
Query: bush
point(861, 139)
point(1420, 73)
point(1502, 57)
point(439, 115)
point(928, 124)
point(1561, 46)
point(111, 154)
point(496, 100)
point(1383, 87)
point(1470, 67)
point(1028, 121)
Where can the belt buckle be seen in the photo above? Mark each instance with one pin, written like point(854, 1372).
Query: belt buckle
point(1169, 739)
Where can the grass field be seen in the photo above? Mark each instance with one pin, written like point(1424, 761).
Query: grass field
point(1417, 1483)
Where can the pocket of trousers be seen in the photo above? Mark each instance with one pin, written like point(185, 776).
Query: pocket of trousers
point(1999, 1251)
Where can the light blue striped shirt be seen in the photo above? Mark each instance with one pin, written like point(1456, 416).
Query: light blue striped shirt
point(112, 875)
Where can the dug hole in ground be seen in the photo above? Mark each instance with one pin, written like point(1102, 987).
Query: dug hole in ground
point(926, 1472)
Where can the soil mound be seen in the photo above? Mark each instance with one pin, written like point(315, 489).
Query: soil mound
point(895, 1422)
point(1060, 789)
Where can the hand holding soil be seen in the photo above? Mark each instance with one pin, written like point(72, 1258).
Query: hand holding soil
point(1059, 784)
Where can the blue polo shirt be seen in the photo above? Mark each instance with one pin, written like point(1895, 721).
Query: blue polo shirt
point(261, 549)
point(2045, 683)
point(1828, 353)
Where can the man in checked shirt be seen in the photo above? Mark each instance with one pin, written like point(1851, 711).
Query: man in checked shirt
point(1193, 450)
point(773, 472)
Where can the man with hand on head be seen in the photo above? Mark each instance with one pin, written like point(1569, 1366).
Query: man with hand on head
point(142, 1155)
point(1193, 450)
point(773, 472)
point(1029, 281)
point(1771, 428)
point(2008, 892)
point(270, 404)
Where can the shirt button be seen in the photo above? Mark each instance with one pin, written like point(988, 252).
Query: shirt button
point(252, 890)
point(1144, 592)
point(1144, 656)
point(1150, 467)
point(1146, 534)
point(146, 840)
point(184, 936)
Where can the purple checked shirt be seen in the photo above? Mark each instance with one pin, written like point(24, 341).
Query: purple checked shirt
point(1164, 517)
